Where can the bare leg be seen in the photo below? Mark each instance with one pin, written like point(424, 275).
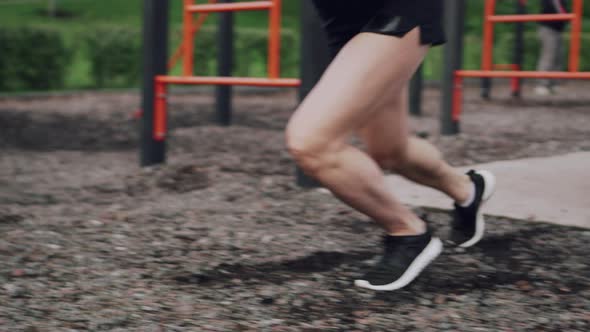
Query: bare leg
point(347, 97)
point(386, 137)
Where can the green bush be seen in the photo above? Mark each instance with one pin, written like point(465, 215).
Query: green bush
point(32, 58)
point(115, 56)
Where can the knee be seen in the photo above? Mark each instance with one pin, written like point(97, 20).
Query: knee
point(306, 150)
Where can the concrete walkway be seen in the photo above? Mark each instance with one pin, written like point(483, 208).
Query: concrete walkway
point(554, 189)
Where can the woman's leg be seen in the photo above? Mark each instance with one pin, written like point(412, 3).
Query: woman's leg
point(348, 96)
point(386, 136)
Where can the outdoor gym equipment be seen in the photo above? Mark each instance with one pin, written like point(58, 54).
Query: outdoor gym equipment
point(154, 115)
point(487, 71)
point(272, 80)
point(314, 57)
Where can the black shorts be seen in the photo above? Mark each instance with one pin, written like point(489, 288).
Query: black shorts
point(343, 19)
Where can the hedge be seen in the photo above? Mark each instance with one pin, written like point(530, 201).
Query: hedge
point(32, 58)
point(38, 58)
point(115, 54)
point(251, 53)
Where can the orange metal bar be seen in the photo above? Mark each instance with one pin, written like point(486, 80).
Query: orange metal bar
point(188, 45)
point(524, 74)
point(515, 82)
point(250, 81)
point(457, 98)
point(197, 24)
point(531, 18)
point(274, 40)
point(176, 56)
point(574, 57)
point(488, 36)
point(228, 7)
point(160, 115)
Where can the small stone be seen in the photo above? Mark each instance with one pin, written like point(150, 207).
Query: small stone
point(267, 300)
point(147, 308)
point(18, 273)
point(185, 309)
point(425, 302)
point(267, 181)
point(524, 285)
point(298, 303)
point(440, 299)
point(270, 322)
point(14, 291)
point(95, 222)
point(360, 313)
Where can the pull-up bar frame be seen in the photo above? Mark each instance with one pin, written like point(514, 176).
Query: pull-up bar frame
point(487, 71)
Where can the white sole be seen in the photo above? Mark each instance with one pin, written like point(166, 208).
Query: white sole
point(432, 250)
point(480, 224)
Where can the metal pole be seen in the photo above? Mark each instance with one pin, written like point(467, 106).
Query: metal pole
point(488, 45)
point(155, 54)
point(486, 88)
point(453, 59)
point(416, 85)
point(519, 44)
point(315, 58)
point(223, 93)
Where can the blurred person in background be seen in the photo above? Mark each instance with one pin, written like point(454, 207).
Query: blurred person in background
point(552, 51)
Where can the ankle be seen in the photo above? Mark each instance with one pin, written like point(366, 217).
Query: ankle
point(411, 226)
point(466, 193)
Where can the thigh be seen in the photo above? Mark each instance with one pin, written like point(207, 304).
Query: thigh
point(351, 91)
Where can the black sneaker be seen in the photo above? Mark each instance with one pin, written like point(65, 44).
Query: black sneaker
point(468, 222)
point(403, 260)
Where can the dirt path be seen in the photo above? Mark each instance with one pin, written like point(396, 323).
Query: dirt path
point(221, 239)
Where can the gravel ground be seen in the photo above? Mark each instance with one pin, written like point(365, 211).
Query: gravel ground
point(220, 239)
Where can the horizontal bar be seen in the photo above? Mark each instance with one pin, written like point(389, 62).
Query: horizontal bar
point(228, 7)
point(532, 18)
point(524, 74)
point(247, 81)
